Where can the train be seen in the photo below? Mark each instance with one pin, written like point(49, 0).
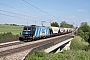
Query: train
point(34, 32)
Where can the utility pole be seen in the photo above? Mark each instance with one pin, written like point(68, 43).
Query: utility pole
point(50, 23)
point(27, 23)
point(35, 22)
point(73, 24)
point(42, 22)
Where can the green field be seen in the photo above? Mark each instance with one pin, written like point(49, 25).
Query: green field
point(10, 28)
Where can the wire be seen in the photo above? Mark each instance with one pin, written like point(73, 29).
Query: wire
point(19, 14)
point(40, 9)
point(16, 13)
point(23, 11)
point(13, 8)
point(20, 10)
point(10, 16)
point(16, 17)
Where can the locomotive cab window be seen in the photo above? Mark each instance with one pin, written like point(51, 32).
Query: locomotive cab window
point(27, 28)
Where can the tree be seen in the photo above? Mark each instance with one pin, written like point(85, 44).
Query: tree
point(62, 24)
point(85, 27)
point(84, 31)
point(54, 24)
point(66, 25)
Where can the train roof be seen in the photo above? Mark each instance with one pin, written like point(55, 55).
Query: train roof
point(38, 26)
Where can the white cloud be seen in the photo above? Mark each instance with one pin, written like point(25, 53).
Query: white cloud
point(82, 10)
point(71, 17)
point(87, 19)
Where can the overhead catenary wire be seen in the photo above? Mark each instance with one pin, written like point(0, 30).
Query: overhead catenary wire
point(28, 17)
point(42, 19)
point(10, 15)
point(41, 10)
point(12, 7)
point(21, 11)
point(14, 16)
point(18, 17)
point(17, 14)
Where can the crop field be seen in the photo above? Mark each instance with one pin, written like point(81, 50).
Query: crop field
point(10, 28)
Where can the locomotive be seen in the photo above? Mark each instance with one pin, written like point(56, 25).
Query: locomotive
point(33, 32)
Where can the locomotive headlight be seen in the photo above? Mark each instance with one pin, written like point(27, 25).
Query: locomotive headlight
point(26, 32)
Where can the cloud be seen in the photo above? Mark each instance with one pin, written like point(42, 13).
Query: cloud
point(71, 17)
point(87, 19)
point(82, 10)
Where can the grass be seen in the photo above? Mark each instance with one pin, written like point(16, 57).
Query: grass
point(78, 44)
point(77, 52)
point(65, 55)
point(9, 28)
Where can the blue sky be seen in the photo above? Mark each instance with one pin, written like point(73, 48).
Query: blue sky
point(71, 11)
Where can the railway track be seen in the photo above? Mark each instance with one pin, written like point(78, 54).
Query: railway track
point(8, 40)
point(30, 46)
point(11, 44)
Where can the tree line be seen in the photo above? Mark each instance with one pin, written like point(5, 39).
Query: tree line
point(62, 24)
point(13, 24)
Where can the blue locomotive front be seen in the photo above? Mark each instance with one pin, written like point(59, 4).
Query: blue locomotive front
point(34, 32)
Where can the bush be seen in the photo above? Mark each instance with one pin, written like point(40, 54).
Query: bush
point(65, 55)
point(37, 55)
point(7, 35)
point(87, 48)
point(78, 44)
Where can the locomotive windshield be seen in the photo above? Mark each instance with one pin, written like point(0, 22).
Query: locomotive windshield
point(27, 28)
